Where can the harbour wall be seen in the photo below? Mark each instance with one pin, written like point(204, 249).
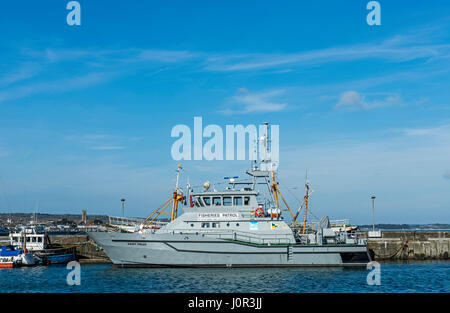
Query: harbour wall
point(411, 245)
point(87, 250)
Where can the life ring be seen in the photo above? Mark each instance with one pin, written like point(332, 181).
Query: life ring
point(259, 212)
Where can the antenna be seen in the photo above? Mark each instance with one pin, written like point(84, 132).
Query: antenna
point(179, 168)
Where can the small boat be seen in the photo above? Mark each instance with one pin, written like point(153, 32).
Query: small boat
point(10, 256)
point(39, 244)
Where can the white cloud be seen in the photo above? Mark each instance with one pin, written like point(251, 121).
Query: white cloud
point(262, 102)
point(352, 100)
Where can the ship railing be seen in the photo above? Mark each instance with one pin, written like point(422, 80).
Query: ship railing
point(242, 236)
point(339, 238)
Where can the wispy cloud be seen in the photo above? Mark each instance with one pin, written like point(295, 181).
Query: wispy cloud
point(97, 66)
point(107, 148)
point(352, 100)
point(396, 49)
point(110, 56)
point(22, 72)
point(56, 86)
point(442, 131)
point(103, 141)
point(262, 102)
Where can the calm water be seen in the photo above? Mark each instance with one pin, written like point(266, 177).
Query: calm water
point(395, 277)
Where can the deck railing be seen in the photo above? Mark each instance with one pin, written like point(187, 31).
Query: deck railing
point(240, 236)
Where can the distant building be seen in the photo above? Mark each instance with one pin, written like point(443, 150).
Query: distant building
point(83, 216)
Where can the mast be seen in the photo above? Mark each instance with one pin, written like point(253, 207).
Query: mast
point(306, 206)
point(177, 196)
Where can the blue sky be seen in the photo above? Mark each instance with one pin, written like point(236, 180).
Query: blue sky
point(86, 111)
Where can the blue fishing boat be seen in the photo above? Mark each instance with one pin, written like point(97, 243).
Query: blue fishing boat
point(11, 256)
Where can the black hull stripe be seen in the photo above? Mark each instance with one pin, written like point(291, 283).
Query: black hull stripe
point(236, 265)
point(244, 244)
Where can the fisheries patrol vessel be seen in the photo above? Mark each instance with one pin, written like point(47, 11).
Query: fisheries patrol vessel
point(234, 227)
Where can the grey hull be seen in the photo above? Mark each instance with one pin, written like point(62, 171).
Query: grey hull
point(181, 250)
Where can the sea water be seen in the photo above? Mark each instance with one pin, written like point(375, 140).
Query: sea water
point(394, 277)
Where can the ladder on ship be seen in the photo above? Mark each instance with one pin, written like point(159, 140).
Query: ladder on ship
point(290, 253)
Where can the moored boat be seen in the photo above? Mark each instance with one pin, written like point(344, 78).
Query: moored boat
point(235, 227)
point(11, 256)
point(38, 243)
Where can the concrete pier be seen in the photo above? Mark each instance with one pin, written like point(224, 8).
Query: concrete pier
point(411, 245)
point(87, 250)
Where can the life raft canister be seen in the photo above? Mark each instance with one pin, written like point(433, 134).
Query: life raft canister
point(259, 212)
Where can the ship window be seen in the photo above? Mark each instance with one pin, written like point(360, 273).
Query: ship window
point(237, 200)
point(33, 239)
point(246, 200)
point(205, 225)
point(28, 239)
point(226, 200)
point(39, 239)
point(192, 225)
point(237, 224)
point(217, 201)
point(215, 225)
point(207, 200)
point(228, 224)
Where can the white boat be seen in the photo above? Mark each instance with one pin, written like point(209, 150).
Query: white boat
point(39, 244)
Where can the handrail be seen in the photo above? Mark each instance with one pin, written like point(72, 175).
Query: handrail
point(281, 238)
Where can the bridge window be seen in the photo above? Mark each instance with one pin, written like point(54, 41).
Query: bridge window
point(237, 200)
point(217, 201)
point(207, 200)
point(246, 200)
point(226, 200)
